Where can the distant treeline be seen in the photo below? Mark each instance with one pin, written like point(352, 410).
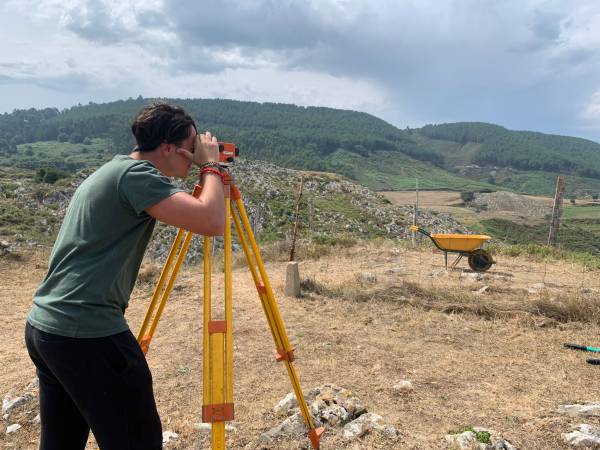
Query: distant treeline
point(523, 150)
point(288, 135)
point(304, 137)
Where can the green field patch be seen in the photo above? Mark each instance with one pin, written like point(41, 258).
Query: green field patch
point(582, 212)
point(61, 155)
point(577, 235)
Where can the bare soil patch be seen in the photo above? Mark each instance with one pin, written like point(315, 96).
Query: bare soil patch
point(524, 209)
point(493, 359)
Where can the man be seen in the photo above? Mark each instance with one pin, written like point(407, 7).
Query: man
point(91, 370)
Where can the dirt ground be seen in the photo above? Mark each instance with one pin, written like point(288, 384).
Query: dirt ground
point(450, 202)
point(507, 372)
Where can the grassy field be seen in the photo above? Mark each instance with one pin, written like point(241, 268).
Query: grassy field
point(458, 159)
point(582, 212)
point(61, 155)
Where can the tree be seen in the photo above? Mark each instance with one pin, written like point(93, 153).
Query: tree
point(50, 175)
point(467, 196)
point(75, 138)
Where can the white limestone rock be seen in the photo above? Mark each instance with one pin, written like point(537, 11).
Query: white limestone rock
point(8, 404)
point(12, 428)
point(207, 427)
point(359, 427)
point(169, 436)
point(464, 441)
point(581, 410)
point(286, 405)
point(404, 386)
point(583, 435)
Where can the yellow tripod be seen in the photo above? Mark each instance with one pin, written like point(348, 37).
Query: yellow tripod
point(218, 334)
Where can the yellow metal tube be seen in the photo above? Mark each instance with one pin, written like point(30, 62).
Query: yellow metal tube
point(261, 268)
point(271, 308)
point(228, 303)
point(217, 388)
point(206, 318)
point(169, 287)
point(159, 286)
point(254, 272)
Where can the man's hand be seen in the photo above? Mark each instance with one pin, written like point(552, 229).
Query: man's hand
point(206, 149)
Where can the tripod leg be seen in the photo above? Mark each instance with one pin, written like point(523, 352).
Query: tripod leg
point(217, 407)
point(169, 287)
point(145, 336)
point(285, 352)
point(142, 338)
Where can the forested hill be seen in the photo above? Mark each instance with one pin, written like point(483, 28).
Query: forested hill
point(522, 150)
point(463, 156)
point(357, 145)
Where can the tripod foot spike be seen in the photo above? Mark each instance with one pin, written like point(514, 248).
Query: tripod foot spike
point(315, 436)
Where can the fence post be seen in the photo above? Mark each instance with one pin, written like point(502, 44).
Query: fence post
point(556, 210)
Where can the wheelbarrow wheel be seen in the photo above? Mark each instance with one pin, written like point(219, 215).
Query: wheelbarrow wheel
point(480, 260)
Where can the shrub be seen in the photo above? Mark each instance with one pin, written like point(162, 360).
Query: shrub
point(50, 175)
point(467, 196)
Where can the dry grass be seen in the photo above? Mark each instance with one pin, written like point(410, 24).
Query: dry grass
point(493, 359)
point(149, 273)
point(499, 303)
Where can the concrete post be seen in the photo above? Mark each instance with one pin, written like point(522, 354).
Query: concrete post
point(292, 280)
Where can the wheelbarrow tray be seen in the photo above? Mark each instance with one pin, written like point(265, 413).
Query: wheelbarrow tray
point(459, 242)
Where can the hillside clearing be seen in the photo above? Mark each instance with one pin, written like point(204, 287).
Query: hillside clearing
point(493, 359)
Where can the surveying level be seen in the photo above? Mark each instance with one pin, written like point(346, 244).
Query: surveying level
point(218, 407)
point(227, 152)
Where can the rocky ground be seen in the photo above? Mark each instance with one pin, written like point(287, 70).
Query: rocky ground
point(514, 204)
point(331, 207)
point(392, 352)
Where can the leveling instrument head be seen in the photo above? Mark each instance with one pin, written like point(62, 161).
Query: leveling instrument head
point(228, 152)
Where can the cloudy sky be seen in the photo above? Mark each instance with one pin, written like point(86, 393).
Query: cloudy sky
point(523, 64)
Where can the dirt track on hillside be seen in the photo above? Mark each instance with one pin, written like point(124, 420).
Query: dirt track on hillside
point(507, 372)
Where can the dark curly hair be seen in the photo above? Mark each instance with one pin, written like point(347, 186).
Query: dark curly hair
point(160, 122)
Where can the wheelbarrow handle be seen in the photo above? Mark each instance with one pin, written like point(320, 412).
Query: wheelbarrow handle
point(414, 228)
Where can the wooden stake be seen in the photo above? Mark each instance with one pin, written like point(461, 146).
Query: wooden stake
point(293, 249)
point(556, 210)
point(416, 211)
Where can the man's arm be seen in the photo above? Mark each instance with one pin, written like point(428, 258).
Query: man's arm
point(204, 215)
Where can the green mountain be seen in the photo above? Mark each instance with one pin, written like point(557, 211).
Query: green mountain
point(357, 145)
point(364, 148)
point(522, 161)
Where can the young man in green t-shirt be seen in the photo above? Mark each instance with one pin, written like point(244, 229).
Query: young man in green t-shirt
point(91, 370)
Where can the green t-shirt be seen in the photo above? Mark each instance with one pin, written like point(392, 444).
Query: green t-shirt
point(99, 250)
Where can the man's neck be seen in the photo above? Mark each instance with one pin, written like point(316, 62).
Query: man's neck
point(153, 157)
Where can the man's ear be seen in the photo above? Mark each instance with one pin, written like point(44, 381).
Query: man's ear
point(166, 148)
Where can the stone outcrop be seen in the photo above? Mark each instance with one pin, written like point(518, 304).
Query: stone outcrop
point(335, 408)
point(332, 205)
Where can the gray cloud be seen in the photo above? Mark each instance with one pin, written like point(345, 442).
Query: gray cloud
point(59, 83)
point(520, 63)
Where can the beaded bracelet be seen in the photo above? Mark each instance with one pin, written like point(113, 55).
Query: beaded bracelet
point(212, 170)
point(210, 164)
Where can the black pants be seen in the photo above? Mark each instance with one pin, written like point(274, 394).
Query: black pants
point(98, 383)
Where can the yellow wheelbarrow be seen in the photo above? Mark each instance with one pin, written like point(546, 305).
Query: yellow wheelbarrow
point(468, 245)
